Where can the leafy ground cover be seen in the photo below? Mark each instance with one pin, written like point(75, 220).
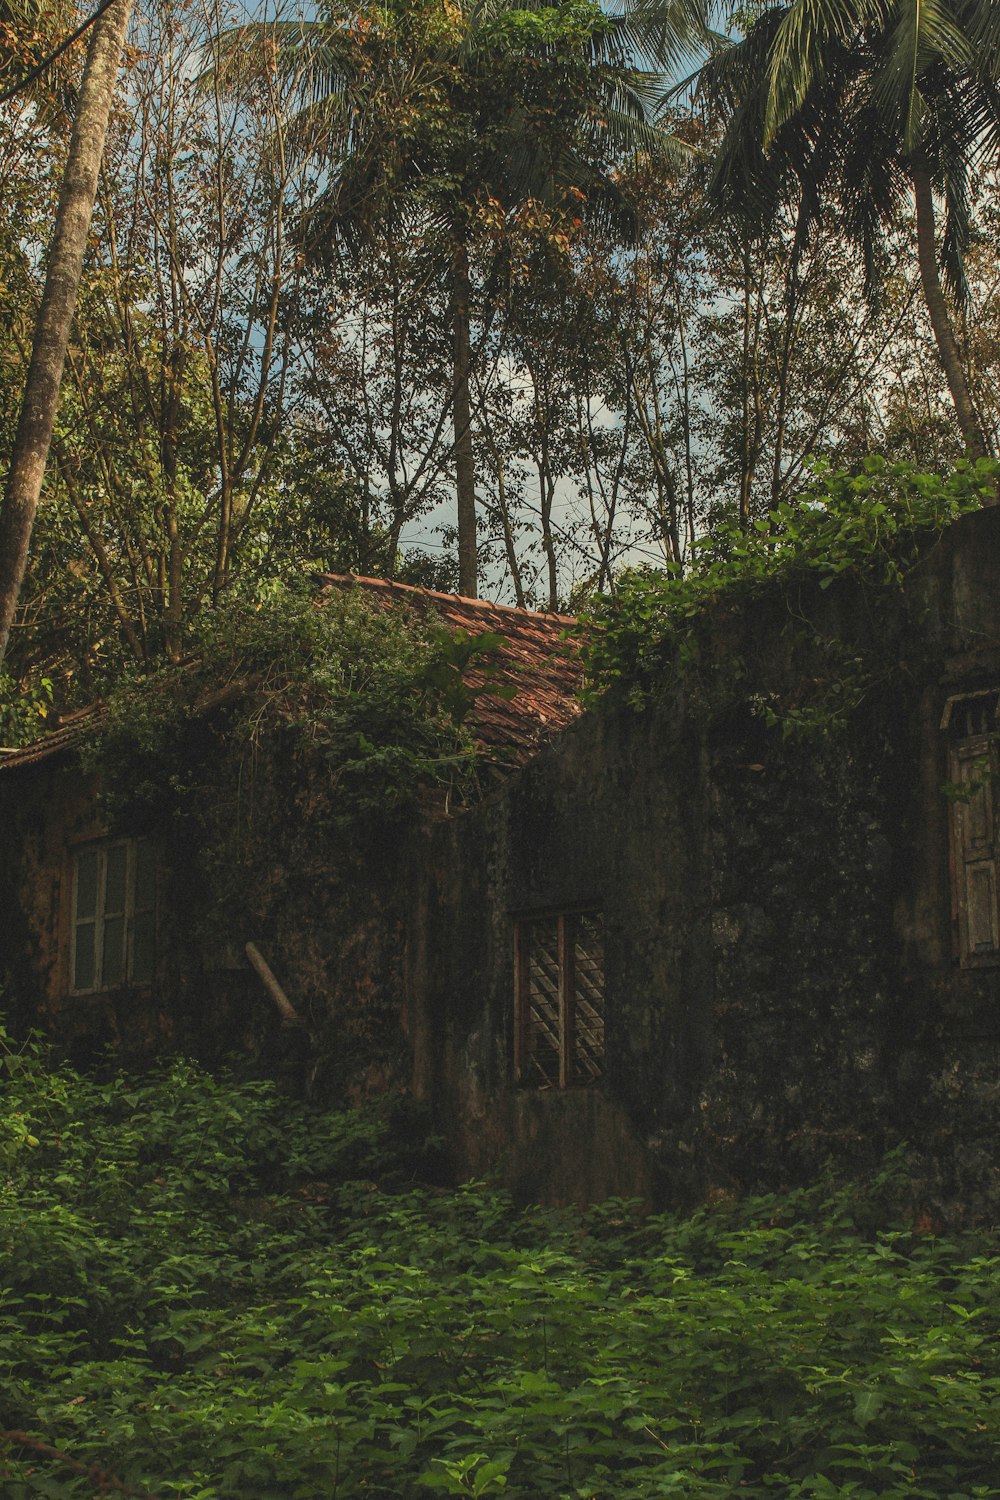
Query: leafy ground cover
point(208, 1290)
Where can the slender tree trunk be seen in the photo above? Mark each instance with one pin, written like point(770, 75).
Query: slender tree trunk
point(751, 441)
point(505, 521)
point(107, 572)
point(58, 304)
point(937, 306)
point(465, 463)
point(784, 368)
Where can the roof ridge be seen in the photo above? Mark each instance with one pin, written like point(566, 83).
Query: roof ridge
point(415, 588)
point(544, 673)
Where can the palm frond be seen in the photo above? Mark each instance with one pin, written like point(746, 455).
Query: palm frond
point(982, 113)
point(734, 72)
point(312, 59)
point(982, 20)
point(953, 145)
point(632, 93)
point(668, 34)
point(622, 133)
point(925, 33)
point(745, 184)
point(801, 48)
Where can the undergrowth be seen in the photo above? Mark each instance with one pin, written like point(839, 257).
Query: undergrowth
point(210, 1290)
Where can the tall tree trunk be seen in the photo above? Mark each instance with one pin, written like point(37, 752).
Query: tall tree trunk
point(465, 463)
point(58, 304)
point(937, 306)
point(785, 365)
point(750, 441)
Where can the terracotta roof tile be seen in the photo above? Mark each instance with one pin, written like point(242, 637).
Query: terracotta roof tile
point(70, 732)
point(534, 658)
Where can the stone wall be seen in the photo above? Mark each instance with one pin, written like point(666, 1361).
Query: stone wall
point(782, 986)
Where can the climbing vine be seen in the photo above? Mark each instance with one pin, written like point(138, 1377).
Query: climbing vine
point(23, 712)
point(873, 527)
point(280, 771)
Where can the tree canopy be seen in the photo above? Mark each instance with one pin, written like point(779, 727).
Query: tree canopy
point(866, 108)
point(469, 131)
point(479, 296)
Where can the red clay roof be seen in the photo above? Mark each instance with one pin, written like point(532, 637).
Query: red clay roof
point(534, 659)
point(70, 732)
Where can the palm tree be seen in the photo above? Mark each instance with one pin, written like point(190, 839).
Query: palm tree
point(446, 121)
point(872, 108)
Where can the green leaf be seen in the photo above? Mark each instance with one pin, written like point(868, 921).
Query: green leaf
point(867, 1405)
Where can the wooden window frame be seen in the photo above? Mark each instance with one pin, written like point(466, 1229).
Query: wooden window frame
point(972, 850)
point(569, 997)
point(131, 910)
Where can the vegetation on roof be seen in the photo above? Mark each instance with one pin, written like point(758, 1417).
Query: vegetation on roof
point(872, 526)
point(370, 704)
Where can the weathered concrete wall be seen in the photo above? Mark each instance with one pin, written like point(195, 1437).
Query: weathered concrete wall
point(782, 982)
point(328, 920)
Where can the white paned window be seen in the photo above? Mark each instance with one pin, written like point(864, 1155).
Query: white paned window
point(114, 915)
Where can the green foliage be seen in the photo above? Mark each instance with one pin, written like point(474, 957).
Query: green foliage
point(213, 1291)
point(842, 104)
point(571, 25)
point(872, 526)
point(372, 701)
point(23, 709)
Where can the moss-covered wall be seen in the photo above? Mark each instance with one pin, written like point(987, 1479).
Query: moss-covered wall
point(49, 810)
point(326, 915)
point(782, 985)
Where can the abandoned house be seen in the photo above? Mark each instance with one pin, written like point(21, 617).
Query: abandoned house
point(673, 949)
